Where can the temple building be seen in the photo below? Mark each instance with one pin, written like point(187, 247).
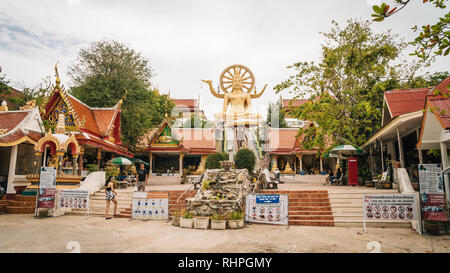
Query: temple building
point(170, 150)
point(97, 130)
point(285, 149)
point(185, 109)
point(402, 126)
point(19, 131)
point(288, 105)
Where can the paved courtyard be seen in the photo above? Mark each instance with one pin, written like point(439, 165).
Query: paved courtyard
point(23, 233)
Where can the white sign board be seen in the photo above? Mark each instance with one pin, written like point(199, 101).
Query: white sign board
point(47, 178)
point(267, 208)
point(146, 208)
point(389, 207)
point(430, 179)
point(74, 199)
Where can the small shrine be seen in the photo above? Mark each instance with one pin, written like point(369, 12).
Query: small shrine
point(62, 146)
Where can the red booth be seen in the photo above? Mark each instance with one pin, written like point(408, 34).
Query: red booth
point(352, 171)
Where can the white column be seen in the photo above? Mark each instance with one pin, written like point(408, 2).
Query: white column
point(321, 165)
point(300, 158)
point(150, 157)
point(400, 149)
point(12, 170)
point(444, 158)
point(382, 159)
point(419, 150)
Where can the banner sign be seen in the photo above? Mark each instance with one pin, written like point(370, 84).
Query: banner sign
point(390, 207)
point(432, 194)
point(47, 188)
point(150, 206)
point(74, 199)
point(268, 198)
point(46, 198)
point(267, 209)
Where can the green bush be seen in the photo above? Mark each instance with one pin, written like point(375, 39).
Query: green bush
point(112, 171)
point(245, 159)
point(188, 215)
point(92, 167)
point(212, 161)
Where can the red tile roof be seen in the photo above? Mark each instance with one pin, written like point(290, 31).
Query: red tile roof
point(103, 118)
point(442, 110)
point(440, 104)
point(404, 101)
point(186, 103)
point(197, 139)
point(282, 140)
point(295, 102)
point(10, 119)
point(443, 86)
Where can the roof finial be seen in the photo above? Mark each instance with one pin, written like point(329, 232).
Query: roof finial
point(126, 93)
point(57, 74)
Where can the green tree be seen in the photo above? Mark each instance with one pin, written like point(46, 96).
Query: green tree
point(245, 159)
point(430, 36)
point(275, 115)
point(212, 161)
point(101, 73)
point(196, 121)
point(346, 87)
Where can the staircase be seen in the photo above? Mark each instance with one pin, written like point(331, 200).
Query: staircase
point(98, 203)
point(21, 205)
point(164, 180)
point(348, 212)
point(308, 208)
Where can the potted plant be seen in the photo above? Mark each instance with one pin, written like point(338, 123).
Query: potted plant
point(431, 227)
point(201, 222)
point(236, 220)
point(187, 220)
point(218, 221)
point(176, 218)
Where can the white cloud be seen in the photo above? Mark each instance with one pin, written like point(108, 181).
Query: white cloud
point(186, 41)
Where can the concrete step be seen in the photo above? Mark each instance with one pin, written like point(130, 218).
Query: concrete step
point(359, 223)
point(306, 213)
point(311, 223)
point(310, 208)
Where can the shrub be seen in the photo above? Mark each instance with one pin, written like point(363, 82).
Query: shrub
point(92, 168)
point(245, 159)
point(218, 217)
point(111, 171)
point(212, 161)
point(188, 215)
point(236, 215)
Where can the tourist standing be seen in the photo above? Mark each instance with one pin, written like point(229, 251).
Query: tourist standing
point(142, 178)
point(110, 196)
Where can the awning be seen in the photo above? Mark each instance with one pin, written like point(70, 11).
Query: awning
point(405, 123)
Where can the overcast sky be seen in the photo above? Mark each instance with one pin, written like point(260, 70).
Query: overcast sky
point(186, 40)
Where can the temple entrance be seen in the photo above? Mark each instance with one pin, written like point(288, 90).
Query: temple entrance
point(164, 164)
point(191, 162)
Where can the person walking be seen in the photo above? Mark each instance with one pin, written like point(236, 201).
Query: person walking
point(110, 196)
point(142, 177)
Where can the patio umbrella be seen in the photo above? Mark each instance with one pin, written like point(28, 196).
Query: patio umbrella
point(346, 150)
point(121, 161)
point(139, 161)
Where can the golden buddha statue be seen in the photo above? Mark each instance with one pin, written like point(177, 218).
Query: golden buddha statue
point(237, 77)
point(288, 169)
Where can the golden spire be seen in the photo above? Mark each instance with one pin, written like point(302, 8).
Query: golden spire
point(57, 74)
point(126, 93)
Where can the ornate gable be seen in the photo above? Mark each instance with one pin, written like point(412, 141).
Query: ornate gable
point(165, 137)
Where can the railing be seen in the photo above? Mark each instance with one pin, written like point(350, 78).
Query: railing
point(194, 183)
